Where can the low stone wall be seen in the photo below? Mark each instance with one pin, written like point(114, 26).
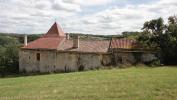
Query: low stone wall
point(133, 58)
point(54, 61)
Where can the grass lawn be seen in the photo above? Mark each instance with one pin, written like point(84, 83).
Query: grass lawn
point(130, 84)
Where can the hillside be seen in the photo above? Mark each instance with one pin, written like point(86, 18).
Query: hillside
point(32, 37)
point(131, 83)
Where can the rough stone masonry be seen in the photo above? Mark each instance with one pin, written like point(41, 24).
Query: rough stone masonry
point(56, 52)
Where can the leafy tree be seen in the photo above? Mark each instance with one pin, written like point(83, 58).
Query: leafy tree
point(169, 44)
point(161, 36)
point(8, 54)
point(11, 58)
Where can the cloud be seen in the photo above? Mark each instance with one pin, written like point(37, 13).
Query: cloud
point(129, 17)
point(60, 5)
point(36, 16)
point(89, 2)
point(29, 16)
point(42, 4)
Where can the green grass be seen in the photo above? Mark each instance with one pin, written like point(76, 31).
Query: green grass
point(140, 83)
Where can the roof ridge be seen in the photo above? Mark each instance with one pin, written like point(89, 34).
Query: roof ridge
point(55, 31)
point(61, 43)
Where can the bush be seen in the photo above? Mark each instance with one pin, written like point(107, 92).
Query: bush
point(9, 55)
point(155, 63)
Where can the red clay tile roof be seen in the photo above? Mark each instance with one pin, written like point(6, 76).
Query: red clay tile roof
point(91, 46)
point(55, 31)
point(51, 40)
point(55, 39)
point(44, 43)
point(123, 43)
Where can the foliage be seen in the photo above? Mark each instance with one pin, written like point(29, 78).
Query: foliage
point(161, 36)
point(19, 37)
point(155, 63)
point(94, 37)
point(9, 47)
point(7, 40)
point(8, 55)
point(130, 35)
point(31, 37)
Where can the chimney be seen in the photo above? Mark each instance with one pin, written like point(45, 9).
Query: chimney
point(25, 40)
point(67, 36)
point(76, 42)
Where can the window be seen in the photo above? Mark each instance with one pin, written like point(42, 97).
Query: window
point(124, 59)
point(38, 56)
point(119, 60)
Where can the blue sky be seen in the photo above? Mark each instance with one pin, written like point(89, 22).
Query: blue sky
point(105, 17)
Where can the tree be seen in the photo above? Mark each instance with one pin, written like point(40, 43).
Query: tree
point(11, 58)
point(161, 36)
point(8, 55)
point(169, 44)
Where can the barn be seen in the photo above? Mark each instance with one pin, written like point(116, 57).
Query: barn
point(55, 51)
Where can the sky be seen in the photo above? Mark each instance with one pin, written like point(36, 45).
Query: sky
point(102, 17)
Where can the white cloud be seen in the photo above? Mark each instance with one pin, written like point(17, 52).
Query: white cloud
point(128, 18)
point(60, 5)
point(36, 16)
point(43, 4)
point(89, 2)
point(29, 16)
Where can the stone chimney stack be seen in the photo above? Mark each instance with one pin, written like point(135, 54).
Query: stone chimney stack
point(25, 40)
point(76, 42)
point(67, 36)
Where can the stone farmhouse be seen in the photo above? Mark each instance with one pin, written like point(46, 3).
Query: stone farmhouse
point(55, 51)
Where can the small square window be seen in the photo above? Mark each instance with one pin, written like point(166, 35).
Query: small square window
point(38, 56)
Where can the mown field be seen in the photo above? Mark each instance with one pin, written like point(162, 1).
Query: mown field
point(141, 83)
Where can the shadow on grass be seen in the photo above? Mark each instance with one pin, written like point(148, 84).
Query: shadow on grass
point(12, 75)
point(21, 75)
point(15, 75)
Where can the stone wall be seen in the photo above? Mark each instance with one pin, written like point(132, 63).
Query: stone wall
point(54, 61)
point(133, 58)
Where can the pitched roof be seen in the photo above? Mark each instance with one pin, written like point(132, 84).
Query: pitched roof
point(55, 39)
point(123, 43)
point(51, 40)
point(55, 31)
point(91, 46)
point(44, 43)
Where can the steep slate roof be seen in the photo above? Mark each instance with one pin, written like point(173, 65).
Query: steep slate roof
point(92, 46)
point(123, 43)
point(50, 40)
